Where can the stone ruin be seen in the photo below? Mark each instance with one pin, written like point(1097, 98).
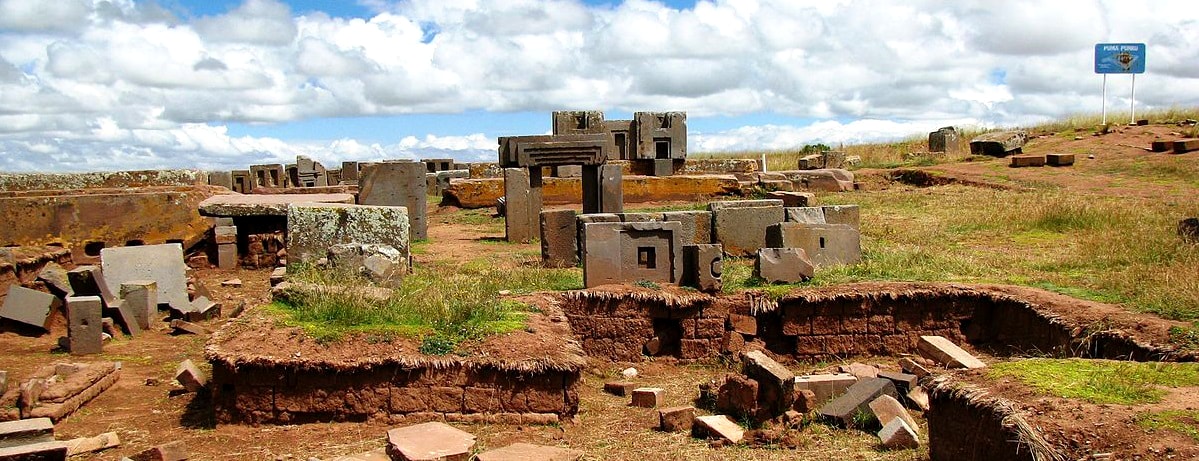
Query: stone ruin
point(686, 247)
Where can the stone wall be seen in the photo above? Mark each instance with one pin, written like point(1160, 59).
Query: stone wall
point(280, 395)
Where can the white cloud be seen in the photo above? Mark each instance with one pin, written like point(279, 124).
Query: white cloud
point(94, 83)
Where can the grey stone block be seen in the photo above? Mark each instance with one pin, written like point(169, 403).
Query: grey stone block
point(944, 140)
point(629, 252)
point(999, 143)
point(161, 263)
point(785, 265)
point(857, 399)
point(84, 326)
point(695, 227)
point(559, 239)
point(90, 281)
point(824, 244)
point(28, 306)
point(56, 278)
point(582, 219)
point(702, 267)
point(740, 226)
point(313, 228)
point(805, 215)
point(398, 184)
point(842, 214)
point(522, 204)
point(141, 299)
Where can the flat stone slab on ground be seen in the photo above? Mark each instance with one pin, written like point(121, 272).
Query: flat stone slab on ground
point(530, 452)
point(264, 204)
point(825, 386)
point(429, 441)
point(1183, 146)
point(26, 431)
point(945, 352)
point(28, 306)
point(717, 426)
point(857, 399)
point(161, 263)
point(44, 451)
point(903, 381)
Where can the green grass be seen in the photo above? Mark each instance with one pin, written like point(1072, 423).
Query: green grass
point(1100, 381)
point(1185, 422)
point(1105, 248)
point(440, 306)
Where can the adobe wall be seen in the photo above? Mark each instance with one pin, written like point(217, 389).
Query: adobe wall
point(279, 395)
point(831, 324)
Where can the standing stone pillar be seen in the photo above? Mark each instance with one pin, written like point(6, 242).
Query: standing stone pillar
point(397, 184)
point(522, 195)
point(83, 325)
point(602, 192)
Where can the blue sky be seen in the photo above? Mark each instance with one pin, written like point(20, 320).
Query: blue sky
point(133, 84)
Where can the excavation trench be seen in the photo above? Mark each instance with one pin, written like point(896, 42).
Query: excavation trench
point(266, 374)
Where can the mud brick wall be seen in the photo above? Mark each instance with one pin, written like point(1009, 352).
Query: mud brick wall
point(892, 323)
point(277, 395)
point(964, 427)
point(618, 329)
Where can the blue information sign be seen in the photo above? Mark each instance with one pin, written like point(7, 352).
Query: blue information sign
point(1120, 58)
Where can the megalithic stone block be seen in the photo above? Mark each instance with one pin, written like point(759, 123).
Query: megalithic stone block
point(631, 251)
point(28, 306)
point(84, 327)
point(48, 451)
point(602, 189)
point(886, 408)
point(786, 265)
point(702, 267)
point(90, 281)
point(188, 375)
point(555, 150)
point(559, 246)
point(398, 184)
point(898, 434)
point(740, 225)
point(141, 299)
point(522, 194)
point(824, 244)
point(161, 263)
point(695, 227)
point(584, 219)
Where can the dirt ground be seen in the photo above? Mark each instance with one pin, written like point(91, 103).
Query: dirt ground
point(143, 409)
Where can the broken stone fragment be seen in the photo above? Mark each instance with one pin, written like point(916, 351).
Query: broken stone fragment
point(717, 426)
point(898, 434)
point(620, 388)
point(190, 377)
point(174, 451)
point(886, 408)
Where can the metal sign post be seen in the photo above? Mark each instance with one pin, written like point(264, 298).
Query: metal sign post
point(1120, 58)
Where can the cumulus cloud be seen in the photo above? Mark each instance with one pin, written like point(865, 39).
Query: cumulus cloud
point(110, 84)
